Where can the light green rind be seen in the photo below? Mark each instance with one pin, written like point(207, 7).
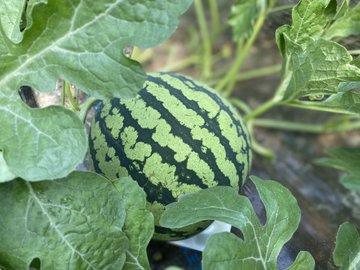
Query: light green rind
point(120, 146)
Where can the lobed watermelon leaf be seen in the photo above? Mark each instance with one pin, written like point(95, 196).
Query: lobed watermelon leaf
point(80, 41)
point(53, 221)
point(261, 244)
point(347, 250)
point(80, 222)
point(313, 64)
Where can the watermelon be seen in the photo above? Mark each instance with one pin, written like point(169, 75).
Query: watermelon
point(175, 137)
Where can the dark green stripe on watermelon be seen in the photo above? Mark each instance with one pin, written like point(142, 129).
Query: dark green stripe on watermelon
point(176, 136)
point(185, 133)
point(144, 135)
point(210, 124)
point(242, 132)
point(182, 233)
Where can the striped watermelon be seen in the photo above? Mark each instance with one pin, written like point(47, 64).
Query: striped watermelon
point(176, 136)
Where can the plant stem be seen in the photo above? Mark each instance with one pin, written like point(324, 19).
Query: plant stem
point(70, 97)
point(307, 128)
point(261, 150)
point(287, 125)
point(354, 52)
point(259, 72)
point(63, 94)
point(191, 60)
point(241, 105)
point(85, 108)
point(77, 96)
point(308, 105)
point(206, 40)
point(230, 79)
point(343, 127)
point(251, 74)
point(260, 110)
point(281, 8)
point(215, 21)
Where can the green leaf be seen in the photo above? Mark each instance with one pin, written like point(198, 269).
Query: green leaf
point(309, 18)
point(347, 250)
point(86, 48)
point(243, 16)
point(351, 182)
point(312, 63)
point(348, 86)
point(319, 69)
point(40, 143)
point(73, 223)
point(15, 16)
point(80, 41)
point(5, 173)
point(345, 25)
point(345, 159)
point(139, 223)
point(303, 261)
point(261, 244)
point(10, 18)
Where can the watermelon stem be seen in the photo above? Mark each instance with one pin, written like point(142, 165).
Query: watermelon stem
point(261, 109)
point(68, 93)
point(215, 21)
point(354, 52)
point(261, 150)
point(207, 44)
point(258, 72)
point(281, 8)
point(241, 105)
point(328, 127)
point(85, 107)
point(228, 82)
point(255, 146)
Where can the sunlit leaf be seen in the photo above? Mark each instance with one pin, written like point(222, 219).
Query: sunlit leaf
point(10, 18)
point(261, 244)
point(309, 18)
point(314, 65)
point(318, 69)
point(86, 48)
point(80, 41)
